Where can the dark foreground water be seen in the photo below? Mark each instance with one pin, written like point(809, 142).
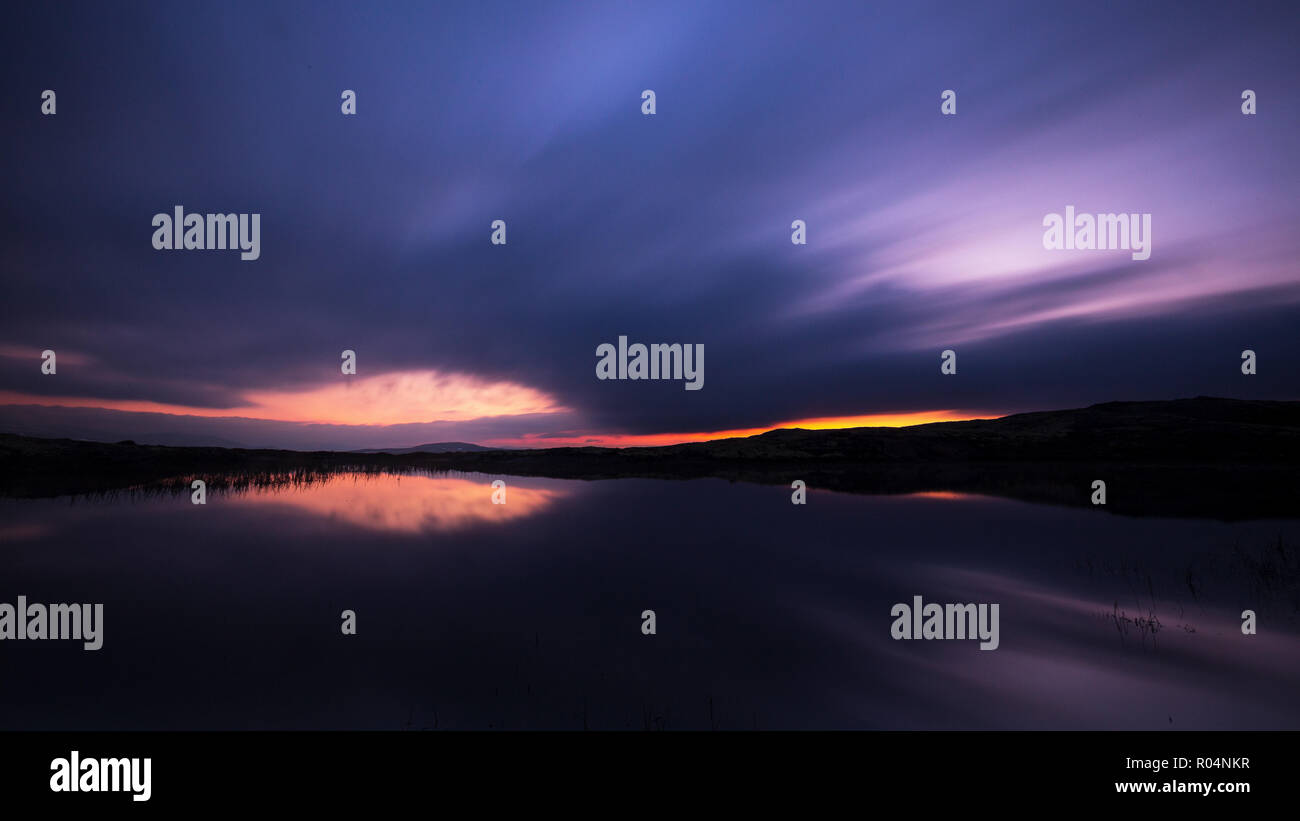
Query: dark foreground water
point(528, 615)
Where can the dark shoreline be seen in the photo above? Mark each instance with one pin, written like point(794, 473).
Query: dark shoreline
point(1205, 458)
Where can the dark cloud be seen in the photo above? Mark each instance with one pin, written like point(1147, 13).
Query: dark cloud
point(666, 229)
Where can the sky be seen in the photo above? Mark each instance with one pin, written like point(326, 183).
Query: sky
point(924, 230)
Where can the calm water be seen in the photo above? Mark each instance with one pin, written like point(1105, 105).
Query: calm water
point(528, 615)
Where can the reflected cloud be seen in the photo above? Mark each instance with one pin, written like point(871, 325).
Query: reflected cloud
point(410, 504)
point(1074, 658)
point(24, 532)
point(944, 494)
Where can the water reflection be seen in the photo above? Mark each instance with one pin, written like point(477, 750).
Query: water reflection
point(411, 503)
point(527, 615)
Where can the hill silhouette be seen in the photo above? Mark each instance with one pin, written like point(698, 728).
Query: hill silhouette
point(1224, 458)
point(435, 447)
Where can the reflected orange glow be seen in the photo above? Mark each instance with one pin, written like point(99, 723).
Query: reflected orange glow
point(878, 420)
point(409, 504)
point(22, 532)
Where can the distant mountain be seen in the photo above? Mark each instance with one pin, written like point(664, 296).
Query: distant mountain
point(183, 440)
point(1200, 430)
point(434, 447)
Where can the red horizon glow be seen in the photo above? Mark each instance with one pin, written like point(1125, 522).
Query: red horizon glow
point(430, 396)
point(395, 398)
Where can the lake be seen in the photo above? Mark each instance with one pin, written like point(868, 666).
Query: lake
point(528, 614)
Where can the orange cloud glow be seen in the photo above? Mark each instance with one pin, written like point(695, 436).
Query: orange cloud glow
point(385, 399)
point(398, 398)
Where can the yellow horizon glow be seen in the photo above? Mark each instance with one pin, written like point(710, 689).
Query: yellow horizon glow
point(872, 420)
point(421, 397)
